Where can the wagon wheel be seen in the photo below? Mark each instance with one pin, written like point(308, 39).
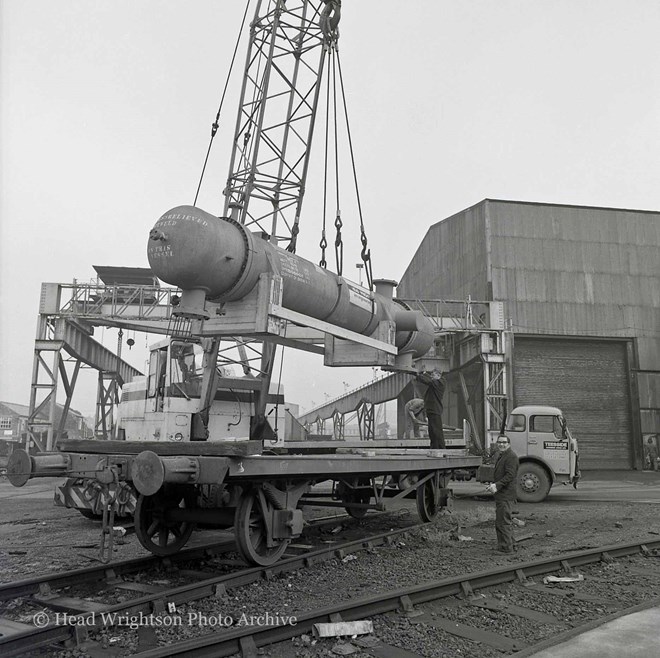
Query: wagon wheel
point(361, 496)
point(154, 527)
point(252, 519)
point(426, 506)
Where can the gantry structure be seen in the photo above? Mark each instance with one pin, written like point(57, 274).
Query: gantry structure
point(472, 346)
point(126, 298)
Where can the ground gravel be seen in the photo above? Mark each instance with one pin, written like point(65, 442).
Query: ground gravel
point(459, 542)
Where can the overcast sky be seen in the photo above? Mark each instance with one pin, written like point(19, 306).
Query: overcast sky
point(106, 107)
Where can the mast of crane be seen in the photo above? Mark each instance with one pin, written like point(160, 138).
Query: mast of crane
point(276, 116)
point(274, 128)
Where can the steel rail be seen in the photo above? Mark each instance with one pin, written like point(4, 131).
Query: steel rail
point(220, 643)
point(112, 570)
point(583, 628)
point(31, 640)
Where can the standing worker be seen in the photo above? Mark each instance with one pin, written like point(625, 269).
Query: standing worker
point(651, 451)
point(435, 389)
point(415, 417)
point(504, 490)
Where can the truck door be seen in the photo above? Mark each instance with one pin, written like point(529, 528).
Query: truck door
point(547, 441)
point(516, 430)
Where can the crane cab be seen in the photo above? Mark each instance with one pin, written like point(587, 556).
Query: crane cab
point(164, 405)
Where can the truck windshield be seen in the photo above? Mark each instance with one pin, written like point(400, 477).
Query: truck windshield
point(515, 423)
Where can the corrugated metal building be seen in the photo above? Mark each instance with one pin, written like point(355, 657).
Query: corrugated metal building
point(581, 289)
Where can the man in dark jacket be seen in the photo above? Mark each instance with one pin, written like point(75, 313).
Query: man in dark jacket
point(435, 389)
point(504, 490)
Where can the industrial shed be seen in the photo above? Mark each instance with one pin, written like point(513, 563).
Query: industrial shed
point(14, 423)
point(581, 293)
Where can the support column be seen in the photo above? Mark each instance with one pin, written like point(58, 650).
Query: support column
point(43, 390)
point(365, 414)
point(470, 412)
point(338, 426)
point(107, 397)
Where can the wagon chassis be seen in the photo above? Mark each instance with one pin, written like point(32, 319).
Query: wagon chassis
point(260, 496)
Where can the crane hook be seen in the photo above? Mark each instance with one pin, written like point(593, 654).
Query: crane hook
point(330, 19)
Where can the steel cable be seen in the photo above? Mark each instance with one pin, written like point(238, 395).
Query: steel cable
point(215, 124)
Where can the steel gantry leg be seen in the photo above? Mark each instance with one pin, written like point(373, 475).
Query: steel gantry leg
point(43, 391)
point(365, 413)
point(106, 398)
point(470, 412)
point(494, 375)
point(496, 368)
point(338, 426)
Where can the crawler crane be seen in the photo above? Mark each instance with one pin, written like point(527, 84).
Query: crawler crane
point(241, 281)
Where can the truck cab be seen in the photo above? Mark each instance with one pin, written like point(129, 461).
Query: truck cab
point(547, 451)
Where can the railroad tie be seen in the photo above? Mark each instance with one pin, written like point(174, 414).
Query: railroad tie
point(578, 596)
point(495, 640)
point(9, 627)
point(518, 611)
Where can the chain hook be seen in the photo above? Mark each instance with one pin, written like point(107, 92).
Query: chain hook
point(339, 245)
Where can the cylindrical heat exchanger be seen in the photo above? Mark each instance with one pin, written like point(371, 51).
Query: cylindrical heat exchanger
point(217, 258)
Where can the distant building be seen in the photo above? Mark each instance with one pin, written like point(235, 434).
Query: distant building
point(581, 290)
point(14, 417)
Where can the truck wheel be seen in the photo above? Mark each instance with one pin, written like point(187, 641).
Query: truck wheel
point(533, 483)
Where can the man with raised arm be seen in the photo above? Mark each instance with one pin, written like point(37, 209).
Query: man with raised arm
point(435, 389)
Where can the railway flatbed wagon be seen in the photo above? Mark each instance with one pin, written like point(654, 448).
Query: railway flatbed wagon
point(178, 487)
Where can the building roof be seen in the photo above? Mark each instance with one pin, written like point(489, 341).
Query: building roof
point(561, 205)
point(15, 409)
point(544, 205)
point(24, 411)
point(569, 205)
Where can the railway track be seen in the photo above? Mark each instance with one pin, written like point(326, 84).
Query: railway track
point(45, 591)
point(456, 606)
point(47, 583)
point(462, 606)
